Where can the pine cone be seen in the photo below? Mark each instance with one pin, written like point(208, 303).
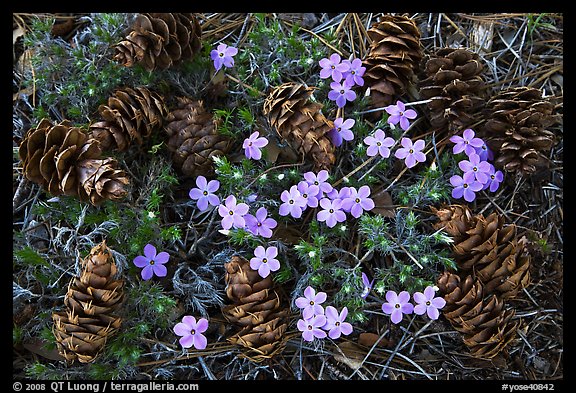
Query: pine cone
point(486, 327)
point(488, 249)
point(131, 115)
point(300, 123)
point(452, 79)
point(63, 160)
point(91, 301)
point(393, 58)
point(193, 138)
point(159, 40)
point(516, 129)
point(257, 310)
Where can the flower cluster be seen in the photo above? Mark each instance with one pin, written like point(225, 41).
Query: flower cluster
point(345, 75)
point(316, 320)
point(398, 304)
point(380, 144)
point(235, 215)
point(316, 191)
point(478, 173)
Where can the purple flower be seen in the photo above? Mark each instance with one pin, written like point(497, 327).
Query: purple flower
point(358, 201)
point(253, 144)
point(379, 144)
point(355, 72)
point(332, 212)
point(204, 194)
point(341, 194)
point(367, 286)
point(331, 67)
point(494, 179)
point(397, 305)
point(341, 92)
point(311, 328)
point(191, 332)
point(427, 303)
point(411, 152)
point(232, 214)
point(310, 303)
point(223, 56)
point(341, 131)
point(399, 114)
point(335, 323)
point(320, 181)
point(293, 204)
point(260, 225)
point(484, 152)
point(478, 168)
point(465, 186)
point(151, 262)
point(466, 143)
point(310, 193)
point(265, 260)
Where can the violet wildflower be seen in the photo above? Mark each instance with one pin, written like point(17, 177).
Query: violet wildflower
point(310, 193)
point(191, 332)
point(332, 67)
point(428, 303)
point(311, 328)
point(341, 194)
point(475, 166)
point(310, 302)
point(397, 305)
point(494, 179)
point(204, 193)
point(253, 144)
point(152, 263)
point(232, 214)
point(265, 261)
point(399, 114)
point(355, 73)
point(341, 131)
point(332, 212)
point(484, 152)
point(465, 186)
point(411, 153)
point(260, 225)
point(223, 56)
point(293, 204)
point(341, 92)
point(466, 143)
point(319, 180)
point(358, 201)
point(335, 322)
point(379, 144)
point(367, 286)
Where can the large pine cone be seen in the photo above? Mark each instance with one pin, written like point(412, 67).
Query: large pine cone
point(300, 122)
point(91, 302)
point(452, 79)
point(63, 160)
point(486, 326)
point(193, 138)
point(159, 40)
point(130, 116)
point(516, 129)
point(257, 309)
point(487, 249)
point(393, 58)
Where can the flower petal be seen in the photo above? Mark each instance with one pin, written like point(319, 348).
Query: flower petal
point(433, 312)
point(160, 270)
point(147, 272)
point(149, 251)
point(181, 329)
point(141, 261)
point(200, 341)
point(201, 182)
point(202, 325)
point(187, 341)
point(162, 257)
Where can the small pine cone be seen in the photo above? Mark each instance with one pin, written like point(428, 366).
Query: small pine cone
point(452, 79)
point(193, 138)
point(159, 40)
point(130, 116)
point(257, 310)
point(488, 249)
point(300, 122)
point(516, 129)
point(91, 302)
point(486, 327)
point(393, 58)
point(64, 160)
